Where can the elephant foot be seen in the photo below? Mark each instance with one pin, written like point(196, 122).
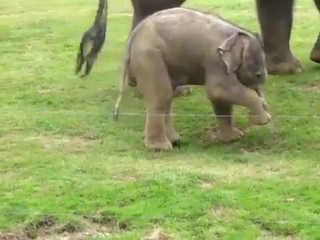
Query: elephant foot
point(315, 52)
point(228, 136)
point(174, 138)
point(315, 56)
point(182, 91)
point(164, 144)
point(284, 64)
point(264, 119)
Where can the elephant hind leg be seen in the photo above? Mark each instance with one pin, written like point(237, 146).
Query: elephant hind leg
point(155, 86)
point(171, 133)
point(315, 52)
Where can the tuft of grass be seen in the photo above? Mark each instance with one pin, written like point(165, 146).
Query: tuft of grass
point(68, 170)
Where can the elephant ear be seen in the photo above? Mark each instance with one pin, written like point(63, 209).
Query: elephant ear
point(231, 51)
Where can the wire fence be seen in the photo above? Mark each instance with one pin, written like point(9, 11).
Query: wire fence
point(108, 113)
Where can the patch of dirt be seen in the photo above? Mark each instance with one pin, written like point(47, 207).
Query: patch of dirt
point(278, 230)
point(49, 90)
point(267, 235)
point(42, 224)
point(252, 149)
point(109, 220)
point(224, 212)
point(206, 184)
point(220, 172)
point(125, 178)
point(13, 236)
point(158, 234)
point(89, 232)
point(47, 227)
point(314, 86)
point(73, 144)
point(209, 131)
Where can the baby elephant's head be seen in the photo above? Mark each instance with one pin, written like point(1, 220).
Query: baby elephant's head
point(243, 55)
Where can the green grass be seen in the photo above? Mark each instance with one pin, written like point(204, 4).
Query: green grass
point(67, 167)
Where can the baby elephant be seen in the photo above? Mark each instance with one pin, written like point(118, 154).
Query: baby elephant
point(177, 47)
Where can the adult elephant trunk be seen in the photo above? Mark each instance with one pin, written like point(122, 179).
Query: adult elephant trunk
point(93, 39)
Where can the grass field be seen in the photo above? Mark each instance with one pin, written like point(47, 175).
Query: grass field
point(68, 170)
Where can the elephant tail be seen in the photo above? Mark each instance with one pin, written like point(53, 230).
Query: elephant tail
point(93, 39)
point(122, 85)
point(126, 63)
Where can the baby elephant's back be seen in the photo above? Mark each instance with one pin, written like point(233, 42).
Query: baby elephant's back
point(183, 34)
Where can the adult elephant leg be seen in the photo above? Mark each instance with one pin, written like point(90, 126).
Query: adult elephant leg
point(144, 8)
point(136, 19)
point(317, 2)
point(275, 18)
point(315, 52)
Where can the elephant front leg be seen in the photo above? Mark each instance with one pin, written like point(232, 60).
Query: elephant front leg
point(258, 114)
point(276, 18)
point(234, 92)
point(226, 132)
point(256, 105)
point(315, 52)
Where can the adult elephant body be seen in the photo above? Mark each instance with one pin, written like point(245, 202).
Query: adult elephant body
point(275, 19)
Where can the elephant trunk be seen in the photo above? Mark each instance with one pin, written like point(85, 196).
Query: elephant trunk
point(259, 91)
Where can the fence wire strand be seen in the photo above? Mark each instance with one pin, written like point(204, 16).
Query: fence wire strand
point(110, 114)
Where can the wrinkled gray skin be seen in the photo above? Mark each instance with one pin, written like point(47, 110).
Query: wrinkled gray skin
point(177, 47)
